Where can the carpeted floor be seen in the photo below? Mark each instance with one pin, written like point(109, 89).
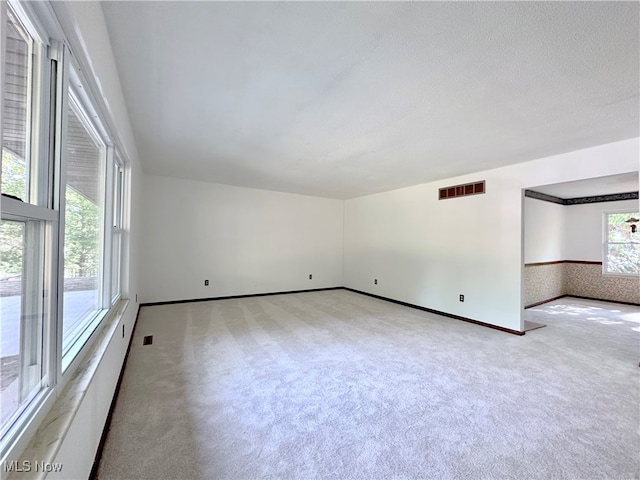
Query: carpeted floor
point(339, 385)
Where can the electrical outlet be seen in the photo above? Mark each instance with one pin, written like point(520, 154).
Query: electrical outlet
point(136, 298)
point(461, 298)
point(310, 276)
point(375, 281)
point(206, 283)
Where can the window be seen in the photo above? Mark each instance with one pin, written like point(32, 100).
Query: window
point(621, 243)
point(117, 228)
point(62, 214)
point(22, 315)
point(83, 220)
point(26, 226)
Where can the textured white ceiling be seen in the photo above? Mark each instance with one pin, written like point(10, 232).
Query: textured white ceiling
point(345, 99)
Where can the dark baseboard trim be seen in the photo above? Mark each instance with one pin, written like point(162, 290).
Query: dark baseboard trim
point(438, 312)
point(249, 295)
point(540, 264)
point(605, 300)
point(583, 298)
point(555, 262)
point(544, 301)
point(114, 400)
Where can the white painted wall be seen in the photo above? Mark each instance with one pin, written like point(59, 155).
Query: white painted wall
point(242, 240)
point(426, 252)
point(584, 228)
point(572, 232)
point(544, 231)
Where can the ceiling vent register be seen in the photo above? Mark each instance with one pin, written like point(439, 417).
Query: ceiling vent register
point(474, 188)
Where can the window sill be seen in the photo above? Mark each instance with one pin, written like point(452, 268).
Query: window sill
point(621, 275)
point(76, 348)
point(46, 442)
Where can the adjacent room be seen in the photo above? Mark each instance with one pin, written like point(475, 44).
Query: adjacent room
point(310, 240)
point(579, 240)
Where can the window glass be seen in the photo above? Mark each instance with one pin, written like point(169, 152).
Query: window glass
point(622, 246)
point(83, 227)
point(115, 265)
point(11, 260)
point(118, 176)
point(16, 93)
point(116, 245)
point(21, 319)
point(22, 245)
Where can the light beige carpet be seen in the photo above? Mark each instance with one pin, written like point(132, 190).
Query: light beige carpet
point(338, 385)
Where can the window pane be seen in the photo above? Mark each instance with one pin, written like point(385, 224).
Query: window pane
point(117, 195)
point(16, 110)
point(82, 229)
point(115, 265)
point(21, 319)
point(12, 245)
point(117, 232)
point(619, 230)
point(622, 243)
point(623, 257)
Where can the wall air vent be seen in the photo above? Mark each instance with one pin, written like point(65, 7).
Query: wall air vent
point(462, 190)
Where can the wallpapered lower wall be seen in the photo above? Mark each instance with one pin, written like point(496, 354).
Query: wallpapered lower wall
point(543, 282)
point(546, 281)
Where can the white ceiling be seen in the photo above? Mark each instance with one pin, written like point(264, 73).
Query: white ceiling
point(345, 99)
point(611, 184)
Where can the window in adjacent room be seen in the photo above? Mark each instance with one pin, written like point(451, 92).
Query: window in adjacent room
point(621, 243)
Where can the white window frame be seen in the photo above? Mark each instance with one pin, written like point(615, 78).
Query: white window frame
point(55, 73)
point(37, 208)
point(86, 113)
point(116, 224)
